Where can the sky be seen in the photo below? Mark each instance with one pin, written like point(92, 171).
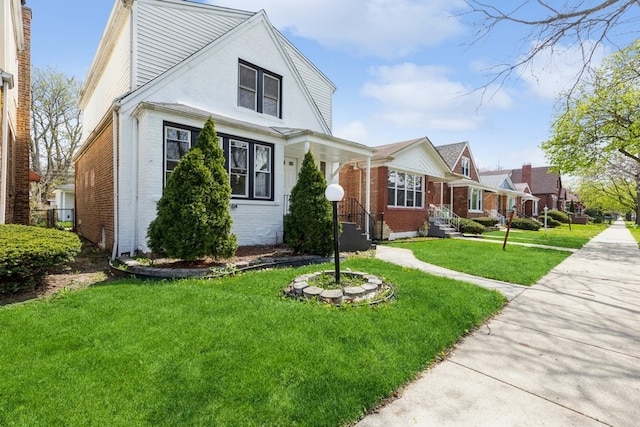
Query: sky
point(403, 69)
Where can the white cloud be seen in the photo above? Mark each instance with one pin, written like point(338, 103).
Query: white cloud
point(556, 70)
point(385, 28)
point(424, 97)
point(354, 131)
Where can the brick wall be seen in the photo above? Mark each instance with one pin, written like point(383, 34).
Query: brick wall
point(461, 201)
point(94, 190)
point(23, 127)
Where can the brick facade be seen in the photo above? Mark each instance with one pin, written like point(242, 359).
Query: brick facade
point(17, 203)
point(94, 190)
point(395, 220)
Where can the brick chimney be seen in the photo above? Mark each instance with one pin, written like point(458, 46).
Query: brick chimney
point(526, 173)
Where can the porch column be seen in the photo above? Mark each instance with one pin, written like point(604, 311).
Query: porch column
point(441, 194)
point(368, 196)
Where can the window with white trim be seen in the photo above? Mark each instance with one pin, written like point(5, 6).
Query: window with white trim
point(475, 199)
point(466, 168)
point(404, 189)
point(259, 90)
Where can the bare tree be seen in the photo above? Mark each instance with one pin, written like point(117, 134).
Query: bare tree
point(586, 25)
point(56, 128)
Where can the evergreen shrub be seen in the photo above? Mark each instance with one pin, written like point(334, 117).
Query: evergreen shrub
point(558, 216)
point(193, 218)
point(28, 253)
point(486, 221)
point(308, 228)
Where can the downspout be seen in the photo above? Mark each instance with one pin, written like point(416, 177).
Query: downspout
point(7, 84)
point(134, 178)
point(114, 252)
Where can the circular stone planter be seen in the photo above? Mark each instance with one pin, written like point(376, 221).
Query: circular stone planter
point(373, 290)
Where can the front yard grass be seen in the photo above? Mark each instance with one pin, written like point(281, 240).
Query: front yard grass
point(634, 229)
point(562, 236)
point(517, 264)
point(229, 351)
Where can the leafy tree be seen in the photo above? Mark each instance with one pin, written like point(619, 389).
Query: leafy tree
point(572, 207)
point(601, 120)
point(309, 224)
point(554, 27)
point(56, 128)
point(193, 214)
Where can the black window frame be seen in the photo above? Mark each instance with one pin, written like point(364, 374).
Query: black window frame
point(259, 90)
point(225, 141)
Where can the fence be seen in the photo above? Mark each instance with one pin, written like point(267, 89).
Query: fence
point(54, 218)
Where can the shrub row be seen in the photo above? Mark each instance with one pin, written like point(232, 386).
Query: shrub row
point(551, 222)
point(468, 226)
point(525, 224)
point(28, 253)
point(557, 215)
point(486, 221)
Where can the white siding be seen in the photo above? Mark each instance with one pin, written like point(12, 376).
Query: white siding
point(114, 81)
point(254, 222)
point(418, 160)
point(9, 54)
point(320, 89)
point(167, 33)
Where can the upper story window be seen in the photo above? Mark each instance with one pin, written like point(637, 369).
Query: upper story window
point(404, 190)
point(259, 90)
point(466, 169)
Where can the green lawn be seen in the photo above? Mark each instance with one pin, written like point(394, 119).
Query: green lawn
point(223, 352)
point(635, 230)
point(517, 264)
point(562, 236)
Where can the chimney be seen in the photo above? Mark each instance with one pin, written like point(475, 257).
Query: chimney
point(526, 173)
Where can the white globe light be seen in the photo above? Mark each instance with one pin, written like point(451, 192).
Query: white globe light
point(334, 193)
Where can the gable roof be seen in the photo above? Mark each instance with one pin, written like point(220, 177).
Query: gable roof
point(543, 180)
point(451, 153)
point(498, 181)
point(209, 25)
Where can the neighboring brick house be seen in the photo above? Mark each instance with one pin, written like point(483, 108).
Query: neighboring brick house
point(171, 64)
point(508, 198)
point(400, 176)
point(464, 196)
point(15, 111)
point(545, 184)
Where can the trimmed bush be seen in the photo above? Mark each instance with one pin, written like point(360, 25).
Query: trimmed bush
point(470, 226)
point(308, 228)
point(27, 254)
point(486, 221)
point(558, 216)
point(525, 224)
point(551, 222)
point(193, 214)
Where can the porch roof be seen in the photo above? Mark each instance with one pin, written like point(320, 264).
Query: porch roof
point(324, 147)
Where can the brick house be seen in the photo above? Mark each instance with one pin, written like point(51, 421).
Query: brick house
point(171, 64)
point(508, 197)
point(15, 111)
point(400, 176)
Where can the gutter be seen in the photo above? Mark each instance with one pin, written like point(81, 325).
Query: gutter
point(116, 124)
point(7, 84)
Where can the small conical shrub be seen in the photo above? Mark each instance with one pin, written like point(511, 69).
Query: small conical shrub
point(309, 224)
point(193, 218)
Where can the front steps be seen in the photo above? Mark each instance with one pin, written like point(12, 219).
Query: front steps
point(353, 239)
point(442, 230)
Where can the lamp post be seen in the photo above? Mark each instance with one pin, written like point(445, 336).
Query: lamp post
point(545, 219)
point(334, 193)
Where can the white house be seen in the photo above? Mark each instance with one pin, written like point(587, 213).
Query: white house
point(64, 201)
point(162, 68)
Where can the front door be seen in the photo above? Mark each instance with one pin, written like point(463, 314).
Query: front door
point(290, 178)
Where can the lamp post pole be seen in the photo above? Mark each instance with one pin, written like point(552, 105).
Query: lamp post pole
point(334, 193)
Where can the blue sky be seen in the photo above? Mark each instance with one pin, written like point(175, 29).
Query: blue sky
point(403, 68)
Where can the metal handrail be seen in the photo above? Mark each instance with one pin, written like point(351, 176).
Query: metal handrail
point(351, 210)
point(444, 215)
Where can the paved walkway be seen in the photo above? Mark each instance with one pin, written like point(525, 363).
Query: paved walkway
point(564, 352)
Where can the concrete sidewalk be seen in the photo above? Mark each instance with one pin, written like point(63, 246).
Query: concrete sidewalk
point(563, 352)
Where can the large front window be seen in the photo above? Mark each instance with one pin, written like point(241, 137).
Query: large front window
point(259, 90)
point(475, 199)
point(249, 163)
point(404, 190)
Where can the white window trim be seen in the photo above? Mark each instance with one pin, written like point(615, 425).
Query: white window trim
point(421, 191)
point(470, 198)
